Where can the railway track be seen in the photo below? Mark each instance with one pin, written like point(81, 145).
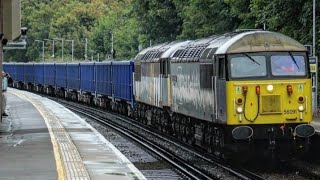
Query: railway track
point(305, 169)
point(205, 167)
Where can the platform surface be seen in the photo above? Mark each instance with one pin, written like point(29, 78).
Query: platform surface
point(48, 141)
point(26, 150)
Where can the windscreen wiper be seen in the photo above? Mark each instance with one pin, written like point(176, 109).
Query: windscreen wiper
point(293, 59)
point(251, 58)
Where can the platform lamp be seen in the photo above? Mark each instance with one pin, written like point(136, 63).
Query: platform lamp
point(72, 47)
point(52, 46)
point(62, 40)
point(42, 48)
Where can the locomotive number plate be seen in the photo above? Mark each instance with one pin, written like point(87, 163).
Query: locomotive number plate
point(290, 111)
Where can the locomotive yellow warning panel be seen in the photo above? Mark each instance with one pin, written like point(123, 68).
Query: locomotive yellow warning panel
point(258, 103)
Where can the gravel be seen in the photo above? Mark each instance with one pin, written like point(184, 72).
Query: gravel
point(150, 166)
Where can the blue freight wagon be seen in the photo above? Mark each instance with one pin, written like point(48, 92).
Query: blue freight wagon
point(61, 75)
point(122, 80)
point(49, 74)
point(10, 68)
point(87, 77)
point(73, 76)
point(103, 78)
point(20, 72)
point(29, 73)
point(39, 74)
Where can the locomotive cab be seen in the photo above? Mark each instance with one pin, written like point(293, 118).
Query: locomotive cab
point(268, 87)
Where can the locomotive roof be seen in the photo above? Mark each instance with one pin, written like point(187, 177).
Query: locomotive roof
point(157, 52)
point(238, 42)
point(257, 41)
point(230, 43)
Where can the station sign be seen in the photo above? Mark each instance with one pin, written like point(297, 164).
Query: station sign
point(313, 68)
point(312, 60)
point(313, 64)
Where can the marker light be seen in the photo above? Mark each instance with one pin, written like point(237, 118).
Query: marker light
point(239, 110)
point(301, 108)
point(270, 88)
point(244, 90)
point(301, 99)
point(289, 89)
point(239, 101)
point(258, 90)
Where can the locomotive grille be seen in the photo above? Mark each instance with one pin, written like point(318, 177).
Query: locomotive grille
point(271, 104)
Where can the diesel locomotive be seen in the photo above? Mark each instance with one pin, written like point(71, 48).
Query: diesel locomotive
point(221, 92)
point(241, 87)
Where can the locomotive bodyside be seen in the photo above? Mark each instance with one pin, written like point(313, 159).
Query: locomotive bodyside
point(191, 80)
point(147, 76)
point(152, 84)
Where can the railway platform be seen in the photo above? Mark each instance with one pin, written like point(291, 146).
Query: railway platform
point(41, 139)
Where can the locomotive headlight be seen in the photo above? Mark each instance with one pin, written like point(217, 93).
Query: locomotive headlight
point(270, 88)
point(239, 101)
point(301, 99)
point(239, 110)
point(301, 108)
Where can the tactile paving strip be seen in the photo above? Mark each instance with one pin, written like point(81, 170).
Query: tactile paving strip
point(69, 163)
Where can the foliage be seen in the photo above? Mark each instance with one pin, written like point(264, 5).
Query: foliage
point(119, 23)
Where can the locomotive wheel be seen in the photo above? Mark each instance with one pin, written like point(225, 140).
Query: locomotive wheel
point(183, 129)
point(157, 121)
point(159, 124)
point(143, 114)
point(164, 123)
point(173, 125)
point(177, 126)
point(168, 126)
point(120, 108)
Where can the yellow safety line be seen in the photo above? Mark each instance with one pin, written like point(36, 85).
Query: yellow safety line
point(56, 150)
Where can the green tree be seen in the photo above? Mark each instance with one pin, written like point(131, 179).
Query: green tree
point(124, 28)
point(158, 20)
